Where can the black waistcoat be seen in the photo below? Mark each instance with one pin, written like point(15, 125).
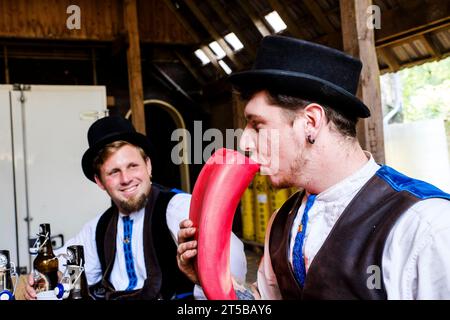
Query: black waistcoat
point(164, 279)
point(351, 255)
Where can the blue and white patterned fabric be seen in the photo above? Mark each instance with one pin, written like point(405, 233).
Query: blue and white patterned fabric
point(129, 262)
point(298, 257)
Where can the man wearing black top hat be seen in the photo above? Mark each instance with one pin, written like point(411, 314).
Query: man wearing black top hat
point(356, 230)
point(130, 249)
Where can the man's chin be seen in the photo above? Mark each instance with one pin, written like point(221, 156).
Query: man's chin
point(133, 204)
point(279, 183)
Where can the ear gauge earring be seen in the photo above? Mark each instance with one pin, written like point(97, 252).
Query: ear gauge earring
point(310, 140)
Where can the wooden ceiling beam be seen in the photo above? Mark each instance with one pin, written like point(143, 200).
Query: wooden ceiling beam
point(421, 17)
point(290, 21)
point(422, 61)
point(319, 16)
point(213, 32)
point(134, 65)
point(429, 45)
point(183, 21)
point(211, 56)
point(256, 19)
point(406, 37)
point(188, 65)
point(390, 58)
point(232, 27)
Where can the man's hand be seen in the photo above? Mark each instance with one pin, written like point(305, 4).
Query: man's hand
point(187, 250)
point(29, 293)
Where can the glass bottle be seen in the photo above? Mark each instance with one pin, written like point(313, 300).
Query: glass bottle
point(75, 266)
point(45, 264)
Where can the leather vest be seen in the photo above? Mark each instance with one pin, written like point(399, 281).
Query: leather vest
point(352, 252)
point(164, 279)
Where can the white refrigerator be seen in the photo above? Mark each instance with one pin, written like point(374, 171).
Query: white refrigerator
point(43, 135)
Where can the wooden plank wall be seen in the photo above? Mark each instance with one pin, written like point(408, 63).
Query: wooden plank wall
point(101, 20)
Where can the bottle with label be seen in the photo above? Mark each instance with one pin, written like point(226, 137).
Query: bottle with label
point(75, 269)
point(46, 263)
point(7, 271)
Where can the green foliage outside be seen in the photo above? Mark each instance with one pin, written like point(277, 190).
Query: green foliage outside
point(426, 91)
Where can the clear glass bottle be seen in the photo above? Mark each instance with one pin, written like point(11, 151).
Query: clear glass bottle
point(75, 266)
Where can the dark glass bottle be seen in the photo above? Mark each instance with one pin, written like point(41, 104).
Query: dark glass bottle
point(75, 266)
point(45, 264)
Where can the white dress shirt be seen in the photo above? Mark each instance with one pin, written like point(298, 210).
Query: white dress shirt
point(416, 256)
point(177, 210)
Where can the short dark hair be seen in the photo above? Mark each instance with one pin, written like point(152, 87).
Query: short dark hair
point(345, 124)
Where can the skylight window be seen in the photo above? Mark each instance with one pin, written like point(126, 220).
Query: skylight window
point(225, 67)
point(217, 49)
point(275, 21)
point(234, 41)
point(202, 56)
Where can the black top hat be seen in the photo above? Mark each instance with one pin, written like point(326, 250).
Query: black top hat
point(107, 130)
point(306, 70)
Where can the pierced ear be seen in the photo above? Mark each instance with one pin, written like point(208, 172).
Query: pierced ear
point(99, 182)
point(314, 115)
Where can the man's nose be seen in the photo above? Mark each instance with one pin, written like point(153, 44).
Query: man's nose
point(248, 140)
point(125, 177)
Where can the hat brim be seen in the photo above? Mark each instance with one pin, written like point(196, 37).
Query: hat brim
point(303, 86)
point(134, 138)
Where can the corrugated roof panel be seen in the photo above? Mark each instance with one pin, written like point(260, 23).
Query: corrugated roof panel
point(411, 52)
point(401, 54)
point(420, 48)
point(443, 38)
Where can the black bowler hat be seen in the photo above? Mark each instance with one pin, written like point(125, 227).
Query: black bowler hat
point(306, 70)
point(107, 130)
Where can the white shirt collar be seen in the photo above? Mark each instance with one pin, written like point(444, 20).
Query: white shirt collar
point(137, 215)
point(351, 184)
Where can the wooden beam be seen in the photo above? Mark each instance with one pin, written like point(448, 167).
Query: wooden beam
point(238, 105)
point(94, 67)
point(253, 15)
point(429, 45)
point(190, 68)
point(211, 56)
point(290, 21)
point(402, 22)
point(251, 49)
point(183, 21)
point(5, 62)
point(422, 61)
point(134, 65)
point(390, 58)
point(319, 16)
point(213, 32)
point(359, 41)
point(406, 37)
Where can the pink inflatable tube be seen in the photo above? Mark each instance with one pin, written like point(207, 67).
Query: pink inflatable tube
point(216, 195)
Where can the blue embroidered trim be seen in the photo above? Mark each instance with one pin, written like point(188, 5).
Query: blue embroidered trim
point(183, 295)
point(298, 259)
point(175, 190)
point(418, 188)
point(129, 263)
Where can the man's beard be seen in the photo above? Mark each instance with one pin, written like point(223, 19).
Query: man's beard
point(295, 172)
point(133, 205)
